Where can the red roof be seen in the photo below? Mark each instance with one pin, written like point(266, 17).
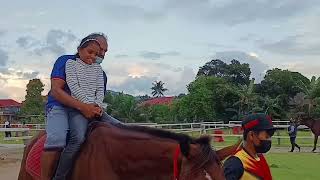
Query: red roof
point(158, 101)
point(9, 103)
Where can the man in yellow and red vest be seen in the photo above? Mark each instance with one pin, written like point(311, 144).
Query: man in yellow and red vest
point(248, 163)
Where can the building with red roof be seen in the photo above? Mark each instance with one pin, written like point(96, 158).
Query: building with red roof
point(158, 101)
point(8, 109)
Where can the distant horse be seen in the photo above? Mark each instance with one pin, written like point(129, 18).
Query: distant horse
point(141, 153)
point(314, 125)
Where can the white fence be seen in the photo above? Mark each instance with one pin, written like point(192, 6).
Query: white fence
point(201, 128)
point(181, 127)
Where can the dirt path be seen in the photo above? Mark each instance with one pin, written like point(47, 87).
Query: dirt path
point(10, 159)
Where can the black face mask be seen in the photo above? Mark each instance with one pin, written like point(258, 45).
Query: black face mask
point(265, 146)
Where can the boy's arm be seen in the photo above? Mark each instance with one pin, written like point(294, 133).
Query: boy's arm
point(233, 168)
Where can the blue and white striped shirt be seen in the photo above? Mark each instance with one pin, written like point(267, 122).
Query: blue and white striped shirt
point(86, 81)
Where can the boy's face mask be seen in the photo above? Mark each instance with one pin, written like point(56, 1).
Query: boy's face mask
point(99, 60)
point(264, 145)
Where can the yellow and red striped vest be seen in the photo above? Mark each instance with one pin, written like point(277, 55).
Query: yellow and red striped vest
point(254, 168)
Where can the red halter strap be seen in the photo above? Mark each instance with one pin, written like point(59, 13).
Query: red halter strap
point(176, 163)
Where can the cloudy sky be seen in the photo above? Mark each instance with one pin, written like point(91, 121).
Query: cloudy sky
point(164, 40)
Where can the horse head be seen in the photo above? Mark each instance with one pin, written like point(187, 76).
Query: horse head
point(204, 163)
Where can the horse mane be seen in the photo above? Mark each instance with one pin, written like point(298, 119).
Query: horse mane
point(183, 139)
point(207, 153)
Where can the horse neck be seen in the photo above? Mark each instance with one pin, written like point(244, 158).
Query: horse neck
point(308, 123)
point(160, 150)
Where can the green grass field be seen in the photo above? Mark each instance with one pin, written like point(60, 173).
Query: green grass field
point(294, 166)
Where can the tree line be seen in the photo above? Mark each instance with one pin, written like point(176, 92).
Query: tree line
point(220, 91)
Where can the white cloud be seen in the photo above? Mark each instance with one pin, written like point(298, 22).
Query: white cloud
point(137, 78)
point(307, 69)
point(3, 57)
point(258, 68)
point(297, 45)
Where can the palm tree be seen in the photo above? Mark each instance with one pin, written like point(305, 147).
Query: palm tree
point(308, 97)
point(247, 96)
point(158, 89)
point(272, 106)
point(246, 102)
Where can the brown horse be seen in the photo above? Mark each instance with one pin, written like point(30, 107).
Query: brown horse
point(141, 153)
point(314, 125)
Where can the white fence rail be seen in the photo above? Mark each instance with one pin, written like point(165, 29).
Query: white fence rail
point(174, 126)
point(201, 128)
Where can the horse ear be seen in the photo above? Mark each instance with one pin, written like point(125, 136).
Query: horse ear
point(228, 151)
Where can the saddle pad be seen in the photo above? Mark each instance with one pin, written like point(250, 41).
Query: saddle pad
point(33, 162)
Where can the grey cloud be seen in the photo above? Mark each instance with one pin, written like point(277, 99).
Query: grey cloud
point(3, 57)
point(2, 32)
point(240, 11)
point(307, 67)
point(160, 65)
point(257, 67)
point(4, 94)
point(215, 45)
point(177, 69)
point(121, 56)
point(185, 76)
point(4, 70)
point(55, 42)
point(53, 48)
point(248, 37)
point(58, 36)
point(155, 55)
point(293, 45)
point(154, 71)
point(29, 75)
point(19, 74)
point(27, 42)
point(228, 12)
point(136, 86)
point(131, 12)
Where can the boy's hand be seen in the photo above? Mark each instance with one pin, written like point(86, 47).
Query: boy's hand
point(99, 111)
point(89, 111)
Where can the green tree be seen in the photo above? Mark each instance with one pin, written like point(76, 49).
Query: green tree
point(122, 106)
point(272, 106)
point(235, 72)
point(161, 114)
point(33, 104)
point(283, 84)
point(311, 93)
point(247, 97)
point(158, 89)
point(206, 101)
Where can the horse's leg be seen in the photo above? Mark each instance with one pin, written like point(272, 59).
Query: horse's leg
point(315, 142)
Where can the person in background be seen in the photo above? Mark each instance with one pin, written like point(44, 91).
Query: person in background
point(7, 124)
point(292, 131)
